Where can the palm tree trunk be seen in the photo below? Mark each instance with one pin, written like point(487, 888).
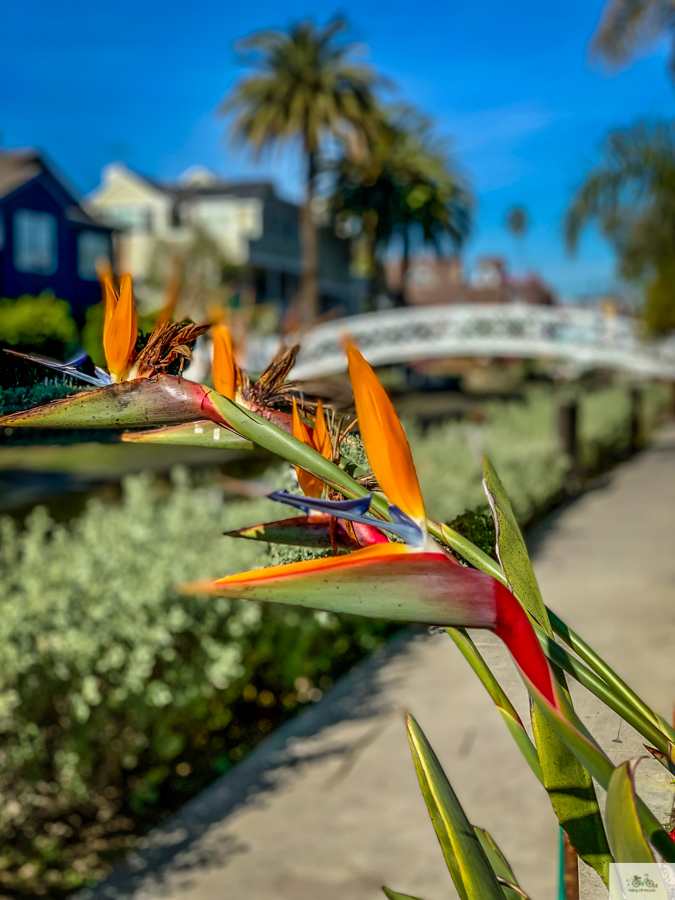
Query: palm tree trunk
point(405, 265)
point(309, 251)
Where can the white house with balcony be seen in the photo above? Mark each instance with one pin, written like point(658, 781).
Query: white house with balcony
point(249, 222)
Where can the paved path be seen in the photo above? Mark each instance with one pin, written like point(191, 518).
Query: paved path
point(329, 807)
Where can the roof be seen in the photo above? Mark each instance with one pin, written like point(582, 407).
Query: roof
point(212, 188)
point(18, 167)
point(260, 189)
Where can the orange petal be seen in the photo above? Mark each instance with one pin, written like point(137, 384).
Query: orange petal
point(321, 437)
point(110, 298)
point(304, 567)
point(311, 485)
point(384, 440)
point(224, 366)
point(119, 339)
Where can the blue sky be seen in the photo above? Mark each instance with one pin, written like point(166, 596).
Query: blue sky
point(509, 80)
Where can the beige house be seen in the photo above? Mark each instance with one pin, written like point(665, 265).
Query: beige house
point(250, 224)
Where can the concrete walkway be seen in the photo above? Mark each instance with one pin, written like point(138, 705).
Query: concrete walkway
point(329, 808)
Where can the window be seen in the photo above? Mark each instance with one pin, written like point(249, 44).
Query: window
point(128, 218)
point(91, 246)
point(35, 242)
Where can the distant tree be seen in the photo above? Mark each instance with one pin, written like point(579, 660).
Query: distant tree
point(630, 26)
point(409, 183)
point(631, 196)
point(304, 87)
point(518, 224)
point(517, 221)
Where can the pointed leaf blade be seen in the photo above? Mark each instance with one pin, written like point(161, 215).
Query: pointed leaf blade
point(500, 865)
point(511, 548)
point(202, 433)
point(504, 706)
point(569, 785)
point(572, 794)
point(475, 874)
point(397, 895)
point(575, 736)
point(624, 829)
point(318, 531)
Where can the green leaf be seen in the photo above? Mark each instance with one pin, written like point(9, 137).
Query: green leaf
point(624, 830)
point(498, 695)
point(600, 667)
point(569, 785)
point(203, 433)
point(572, 794)
point(500, 865)
point(511, 549)
point(438, 823)
point(576, 737)
point(160, 400)
point(468, 864)
point(397, 895)
point(609, 694)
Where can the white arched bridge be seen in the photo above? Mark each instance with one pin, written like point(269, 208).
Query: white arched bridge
point(584, 338)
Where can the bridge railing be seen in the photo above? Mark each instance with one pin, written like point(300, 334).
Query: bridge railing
point(583, 337)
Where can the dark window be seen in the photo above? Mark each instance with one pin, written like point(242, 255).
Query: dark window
point(35, 242)
point(91, 247)
point(176, 216)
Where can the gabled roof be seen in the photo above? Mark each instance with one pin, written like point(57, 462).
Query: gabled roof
point(18, 167)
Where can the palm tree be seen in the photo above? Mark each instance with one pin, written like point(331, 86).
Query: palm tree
point(631, 195)
point(408, 184)
point(518, 224)
point(305, 87)
point(627, 26)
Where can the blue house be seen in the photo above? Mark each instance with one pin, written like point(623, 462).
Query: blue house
point(47, 241)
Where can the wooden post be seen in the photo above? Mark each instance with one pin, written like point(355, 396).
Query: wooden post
point(568, 429)
point(571, 870)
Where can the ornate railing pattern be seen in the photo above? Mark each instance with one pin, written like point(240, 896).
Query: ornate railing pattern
point(585, 338)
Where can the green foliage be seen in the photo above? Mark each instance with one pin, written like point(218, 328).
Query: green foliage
point(631, 195)
point(629, 27)
point(478, 527)
point(659, 307)
point(408, 181)
point(92, 334)
point(303, 86)
point(120, 698)
point(19, 398)
point(34, 321)
point(43, 324)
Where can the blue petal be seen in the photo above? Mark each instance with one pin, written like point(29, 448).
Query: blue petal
point(411, 528)
point(340, 508)
point(93, 375)
point(355, 511)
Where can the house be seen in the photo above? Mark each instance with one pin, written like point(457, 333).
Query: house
point(251, 225)
point(436, 280)
point(47, 240)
